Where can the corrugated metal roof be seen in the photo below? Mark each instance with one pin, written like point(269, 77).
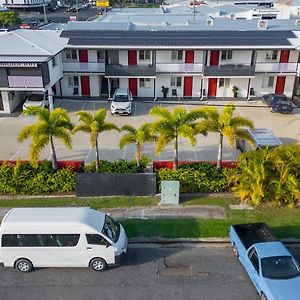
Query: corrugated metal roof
point(23, 59)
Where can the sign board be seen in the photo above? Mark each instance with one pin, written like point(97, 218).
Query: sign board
point(102, 3)
point(18, 65)
point(73, 18)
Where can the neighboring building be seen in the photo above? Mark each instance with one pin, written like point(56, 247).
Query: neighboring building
point(21, 4)
point(199, 59)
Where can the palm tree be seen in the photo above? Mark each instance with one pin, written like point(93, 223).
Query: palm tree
point(138, 137)
point(50, 125)
point(225, 124)
point(94, 125)
point(171, 125)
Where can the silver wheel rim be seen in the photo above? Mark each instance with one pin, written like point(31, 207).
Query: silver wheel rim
point(23, 266)
point(98, 265)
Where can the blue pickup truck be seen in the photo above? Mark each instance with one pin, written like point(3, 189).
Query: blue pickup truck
point(273, 270)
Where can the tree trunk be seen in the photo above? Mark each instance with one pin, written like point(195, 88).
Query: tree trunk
point(138, 153)
point(220, 152)
point(175, 162)
point(53, 155)
point(97, 155)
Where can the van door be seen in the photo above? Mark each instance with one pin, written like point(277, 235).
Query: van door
point(98, 246)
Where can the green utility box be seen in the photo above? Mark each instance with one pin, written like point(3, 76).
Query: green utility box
point(169, 192)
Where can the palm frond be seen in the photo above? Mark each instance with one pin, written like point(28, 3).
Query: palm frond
point(63, 135)
point(159, 111)
point(26, 132)
point(85, 117)
point(126, 139)
point(36, 146)
point(129, 129)
point(108, 127)
point(82, 127)
point(241, 122)
point(100, 115)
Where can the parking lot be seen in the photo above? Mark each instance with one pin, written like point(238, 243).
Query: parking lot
point(286, 127)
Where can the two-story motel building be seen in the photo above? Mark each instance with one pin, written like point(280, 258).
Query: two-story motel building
point(195, 59)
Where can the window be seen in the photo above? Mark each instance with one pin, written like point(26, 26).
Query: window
point(40, 240)
point(176, 81)
point(71, 53)
point(145, 83)
point(53, 60)
point(73, 81)
point(272, 55)
point(96, 239)
point(177, 55)
point(144, 55)
point(100, 56)
point(226, 54)
point(224, 82)
point(254, 259)
point(268, 82)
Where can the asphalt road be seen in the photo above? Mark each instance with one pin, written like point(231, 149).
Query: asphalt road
point(150, 272)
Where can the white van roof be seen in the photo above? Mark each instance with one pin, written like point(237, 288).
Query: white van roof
point(52, 220)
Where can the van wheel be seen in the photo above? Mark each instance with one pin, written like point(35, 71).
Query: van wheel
point(24, 265)
point(98, 264)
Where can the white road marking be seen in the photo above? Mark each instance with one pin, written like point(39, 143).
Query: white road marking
point(124, 152)
point(16, 154)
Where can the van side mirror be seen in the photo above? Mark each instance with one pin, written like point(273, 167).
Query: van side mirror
point(108, 245)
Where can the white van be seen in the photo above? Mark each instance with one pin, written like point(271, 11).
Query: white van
point(60, 237)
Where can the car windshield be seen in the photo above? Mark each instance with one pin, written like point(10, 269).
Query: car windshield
point(36, 97)
point(121, 98)
point(279, 267)
point(111, 229)
point(281, 99)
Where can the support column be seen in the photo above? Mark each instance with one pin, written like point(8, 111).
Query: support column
point(50, 97)
point(248, 90)
point(109, 89)
point(155, 96)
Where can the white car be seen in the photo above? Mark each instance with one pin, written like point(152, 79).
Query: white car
point(121, 102)
point(36, 99)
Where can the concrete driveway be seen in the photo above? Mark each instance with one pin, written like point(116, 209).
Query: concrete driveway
point(286, 127)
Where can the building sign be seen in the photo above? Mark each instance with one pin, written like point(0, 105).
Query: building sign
point(73, 18)
point(18, 65)
point(102, 3)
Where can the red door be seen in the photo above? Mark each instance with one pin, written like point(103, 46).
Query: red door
point(284, 56)
point(212, 87)
point(83, 56)
point(188, 87)
point(189, 56)
point(280, 85)
point(214, 58)
point(133, 86)
point(85, 85)
point(132, 57)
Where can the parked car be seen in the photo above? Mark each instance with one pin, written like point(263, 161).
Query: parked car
point(271, 267)
point(36, 99)
point(278, 103)
point(121, 102)
point(60, 237)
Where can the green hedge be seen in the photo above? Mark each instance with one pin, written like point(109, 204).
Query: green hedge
point(198, 177)
point(23, 178)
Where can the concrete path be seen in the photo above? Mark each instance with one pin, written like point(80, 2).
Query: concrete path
point(159, 212)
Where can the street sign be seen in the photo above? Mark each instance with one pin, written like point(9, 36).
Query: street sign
point(73, 18)
point(102, 3)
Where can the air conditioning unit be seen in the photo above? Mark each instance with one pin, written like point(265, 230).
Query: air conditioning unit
point(232, 16)
point(174, 92)
point(209, 22)
point(262, 24)
point(75, 91)
point(297, 22)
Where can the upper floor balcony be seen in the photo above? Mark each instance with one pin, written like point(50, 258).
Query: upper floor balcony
point(233, 70)
point(83, 67)
point(25, 81)
point(170, 68)
point(275, 67)
point(130, 70)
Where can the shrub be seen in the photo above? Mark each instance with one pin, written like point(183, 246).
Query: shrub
point(199, 177)
point(23, 178)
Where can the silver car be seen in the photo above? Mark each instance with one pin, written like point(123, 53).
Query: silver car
point(121, 102)
point(36, 99)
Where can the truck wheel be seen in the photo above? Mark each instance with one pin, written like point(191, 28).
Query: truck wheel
point(24, 265)
point(98, 264)
point(263, 296)
point(235, 250)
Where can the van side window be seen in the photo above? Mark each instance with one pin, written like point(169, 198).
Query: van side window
point(96, 239)
point(63, 240)
point(18, 240)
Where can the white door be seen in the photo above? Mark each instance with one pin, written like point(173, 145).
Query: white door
point(98, 246)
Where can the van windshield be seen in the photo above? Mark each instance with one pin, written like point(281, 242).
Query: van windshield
point(111, 229)
point(121, 98)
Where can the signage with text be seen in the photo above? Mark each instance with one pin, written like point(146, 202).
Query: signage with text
point(18, 65)
point(102, 3)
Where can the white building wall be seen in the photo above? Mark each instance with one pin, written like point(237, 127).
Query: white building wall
point(55, 72)
point(94, 85)
point(66, 89)
point(163, 56)
point(92, 56)
point(143, 62)
point(226, 92)
point(146, 92)
point(238, 57)
point(10, 101)
point(198, 56)
point(123, 83)
point(196, 86)
point(123, 57)
point(289, 85)
point(261, 56)
point(294, 56)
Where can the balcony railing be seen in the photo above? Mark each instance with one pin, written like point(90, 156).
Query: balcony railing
point(125, 70)
point(25, 81)
point(234, 70)
point(272, 67)
point(86, 67)
point(178, 68)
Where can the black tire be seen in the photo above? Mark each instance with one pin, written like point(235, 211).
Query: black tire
point(263, 296)
point(98, 264)
point(235, 250)
point(24, 265)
